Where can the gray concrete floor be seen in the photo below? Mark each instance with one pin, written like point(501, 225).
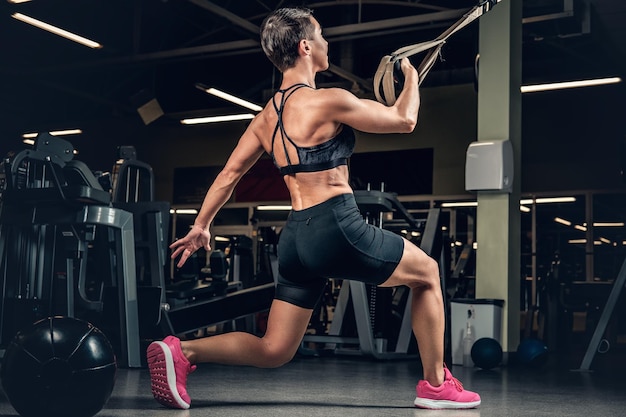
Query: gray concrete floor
point(355, 386)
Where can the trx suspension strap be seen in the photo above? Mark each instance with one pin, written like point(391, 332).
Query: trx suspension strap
point(384, 83)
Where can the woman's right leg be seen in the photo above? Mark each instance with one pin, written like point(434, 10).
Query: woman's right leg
point(420, 273)
point(439, 389)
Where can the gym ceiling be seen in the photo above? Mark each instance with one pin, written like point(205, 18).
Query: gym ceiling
point(164, 48)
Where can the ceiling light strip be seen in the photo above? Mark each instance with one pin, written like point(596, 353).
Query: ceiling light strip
point(460, 204)
point(562, 221)
point(57, 31)
point(231, 98)
point(577, 241)
point(215, 119)
point(548, 200)
point(608, 224)
point(527, 201)
point(274, 208)
point(64, 132)
point(183, 211)
point(569, 84)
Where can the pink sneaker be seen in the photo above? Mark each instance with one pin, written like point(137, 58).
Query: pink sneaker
point(450, 394)
point(168, 373)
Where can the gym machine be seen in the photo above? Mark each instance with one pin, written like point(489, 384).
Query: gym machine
point(50, 198)
point(607, 312)
point(363, 298)
point(132, 190)
point(226, 294)
point(194, 298)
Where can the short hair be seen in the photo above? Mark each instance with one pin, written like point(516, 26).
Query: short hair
point(282, 31)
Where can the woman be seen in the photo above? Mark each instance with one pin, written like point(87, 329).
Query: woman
point(308, 132)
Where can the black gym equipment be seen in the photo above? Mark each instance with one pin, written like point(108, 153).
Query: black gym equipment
point(75, 245)
point(59, 367)
point(532, 353)
point(227, 294)
point(605, 317)
point(132, 190)
point(195, 315)
point(486, 353)
point(52, 209)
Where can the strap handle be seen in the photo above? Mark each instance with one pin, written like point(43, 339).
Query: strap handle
point(384, 75)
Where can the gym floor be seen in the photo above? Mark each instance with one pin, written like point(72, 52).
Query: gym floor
point(355, 386)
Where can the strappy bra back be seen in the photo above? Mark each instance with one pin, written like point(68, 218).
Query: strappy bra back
point(330, 154)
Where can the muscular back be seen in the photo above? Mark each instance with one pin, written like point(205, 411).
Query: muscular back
point(307, 121)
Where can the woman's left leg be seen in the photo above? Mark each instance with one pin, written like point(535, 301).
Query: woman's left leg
point(286, 326)
point(171, 360)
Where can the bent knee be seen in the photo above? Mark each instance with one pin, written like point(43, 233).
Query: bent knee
point(432, 268)
point(277, 357)
point(427, 275)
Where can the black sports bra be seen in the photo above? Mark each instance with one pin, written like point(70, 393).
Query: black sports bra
point(330, 154)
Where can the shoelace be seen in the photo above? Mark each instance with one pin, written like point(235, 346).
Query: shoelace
point(457, 384)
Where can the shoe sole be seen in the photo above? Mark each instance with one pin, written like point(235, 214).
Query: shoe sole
point(444, 404)
point(163, 376)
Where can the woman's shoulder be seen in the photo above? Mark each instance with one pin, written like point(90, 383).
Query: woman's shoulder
point(334, 92)
point(332, 99)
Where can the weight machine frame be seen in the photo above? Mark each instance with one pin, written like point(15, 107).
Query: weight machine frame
point(607, 312)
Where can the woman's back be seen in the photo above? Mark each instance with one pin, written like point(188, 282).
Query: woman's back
point(306, 128)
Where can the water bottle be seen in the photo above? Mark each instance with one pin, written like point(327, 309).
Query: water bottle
point(468, 342)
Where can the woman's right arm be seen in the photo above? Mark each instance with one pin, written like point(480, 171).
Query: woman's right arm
point(374, 117)
point(243, 157)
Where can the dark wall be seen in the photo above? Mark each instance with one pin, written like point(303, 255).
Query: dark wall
point(571, 140)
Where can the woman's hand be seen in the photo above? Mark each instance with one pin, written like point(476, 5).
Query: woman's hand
point(406, 67)
point(197, 238)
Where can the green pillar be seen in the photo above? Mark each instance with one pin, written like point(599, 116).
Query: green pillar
point(499, 118)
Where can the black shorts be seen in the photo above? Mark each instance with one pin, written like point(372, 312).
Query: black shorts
point(332, 240)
